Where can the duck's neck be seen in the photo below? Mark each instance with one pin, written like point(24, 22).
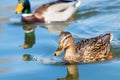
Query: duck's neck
point(70, 50)
point(26, 11)
point(27, 8)
point(70, 54)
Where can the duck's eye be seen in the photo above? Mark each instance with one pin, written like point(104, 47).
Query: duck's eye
point(60, 46)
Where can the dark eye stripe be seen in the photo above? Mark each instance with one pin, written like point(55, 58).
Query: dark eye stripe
point(66, 38)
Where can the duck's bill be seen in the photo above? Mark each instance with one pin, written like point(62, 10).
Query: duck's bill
point(19, 8)
point(27, 57)
point(59, 50)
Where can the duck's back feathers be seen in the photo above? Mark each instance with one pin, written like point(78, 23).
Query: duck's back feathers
point(53, 7)
point(56, 11)
point(94, 49)
point(44, 7)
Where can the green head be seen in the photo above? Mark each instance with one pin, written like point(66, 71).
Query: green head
point(23, 6)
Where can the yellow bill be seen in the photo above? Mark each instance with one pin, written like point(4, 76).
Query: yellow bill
point(19, 8)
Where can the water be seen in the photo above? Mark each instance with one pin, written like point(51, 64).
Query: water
point(92, 18)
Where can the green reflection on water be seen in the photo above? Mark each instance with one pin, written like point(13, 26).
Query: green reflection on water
point(29, 35)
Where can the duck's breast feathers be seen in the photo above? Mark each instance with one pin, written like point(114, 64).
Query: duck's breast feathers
point(31, 18)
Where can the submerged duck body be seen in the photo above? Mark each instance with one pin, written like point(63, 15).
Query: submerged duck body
point(61, 10)
point(94, 49)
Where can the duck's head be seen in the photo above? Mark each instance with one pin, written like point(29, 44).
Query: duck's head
point(65, 41)
point(23, 6)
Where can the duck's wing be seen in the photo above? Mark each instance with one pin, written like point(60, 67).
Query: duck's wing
point(94, 48)
point(60, 6)
point(56, 6)
point(43, 8)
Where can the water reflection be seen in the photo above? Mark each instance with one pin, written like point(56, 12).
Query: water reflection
point(29, 35)
point(5, 70)
point(72, 70)
point(72, 73)
point(29, 31)
point(116, 50)
point(53, 60)
point(56, 27)
point(4, 61)
point(7, 60)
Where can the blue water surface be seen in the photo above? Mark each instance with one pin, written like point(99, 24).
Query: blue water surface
point(94, 17)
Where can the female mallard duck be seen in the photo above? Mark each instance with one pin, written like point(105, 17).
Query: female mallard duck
point(61, 10)
point(88, 50)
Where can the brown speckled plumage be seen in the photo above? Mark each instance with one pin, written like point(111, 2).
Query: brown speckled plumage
point(88, 50)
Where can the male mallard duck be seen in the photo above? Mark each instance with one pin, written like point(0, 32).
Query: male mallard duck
point(61, 10)
point(89, 50)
